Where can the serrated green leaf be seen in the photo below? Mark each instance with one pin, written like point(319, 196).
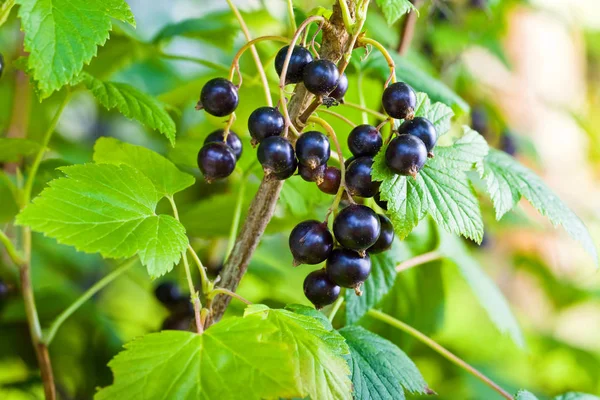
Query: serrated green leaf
point(507, 181)
point(167, 178)
point(11, 148)
point(380, 370)
point(394, 9)
point(489, 295)
point(132, 103)
point(576, 396)
point(317, 353)
point(218, 28)
point(525, 395)
point(437, 113)
point(63, 35)
point(236, 359)
point(109, 209)
point(381, 280)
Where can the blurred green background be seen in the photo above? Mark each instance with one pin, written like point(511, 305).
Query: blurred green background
point(530, 72)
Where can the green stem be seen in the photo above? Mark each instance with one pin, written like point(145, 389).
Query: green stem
point(336, 306)
point(10, 249)
point(388, 319)
point(101, 284)
point(291, 16)
point(227, 292)
point(237, 215)
point(367, 110)
point(250, 45)
point(418, 260)
point(386, 55)
point(338, 116)
point(361, 99)
point(348, 23)
point(193, 294)
point(196, 60)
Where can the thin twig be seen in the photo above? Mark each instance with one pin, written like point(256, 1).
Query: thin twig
point(408, 30)
point(339, 116)
point(228, 292)
point(336, 306)
point(364, 109)
point(391, 65)
point(361, 98)
point(418, 260)
point(10, 250)
point(291, 16)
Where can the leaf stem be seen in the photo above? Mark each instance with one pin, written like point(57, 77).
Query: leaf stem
point(336, 306)
point(227, 292)
point(348, 23)
point(101, 284)
point(372, 42)
point(367, 110)
point(235, 63)
point(290, 9)
point(193, 294)
point(259, 67)
point(388, 319)
point(339, 116)
point(361, 99)
point(418, 260)
point(10, 250)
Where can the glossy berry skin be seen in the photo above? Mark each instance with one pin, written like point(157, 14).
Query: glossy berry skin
point(219, 97)
point(347, 268)
point(265, 122)
point(320, 77)
point(381, 203)
point(312, 174)
point(386, 237)
point(357, 227)
point(421, 128)
point(276, 155)
point(399, 100)
point(313, 149)
point(216, 160)
point(365, 140)
point(233, 141)
point(332, 179)
point(341, 88)
point(319, 290)
point(406, 155)
point(168, 293)
point(301, 57)
point(358, 178)
point(286, 173)
point(310, 242)
point(348, 161)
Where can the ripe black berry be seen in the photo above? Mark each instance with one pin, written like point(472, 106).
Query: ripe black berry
point(341, 88)
point(320, 77)
point(399, 100)
point(347, 268)
point(358, 178)
point(265, 122)
point(312, 174)
point(386, 237)
point(312, 149)
point(216, 161)
point(381, 203)
point(276, 155)
point(348, 161)
point(319, 290)
point(300, 58)
point(286, 173)
point(168, 293)
point(219, 97)
point(365, 140)
point(331, 180)
point(406, 155)
point(421, 128)
point(356, 227)
point(310, 242)
point(233, 141)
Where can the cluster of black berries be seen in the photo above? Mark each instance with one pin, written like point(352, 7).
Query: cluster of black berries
point(408, 152)
point(359, 232)
point(179, 306)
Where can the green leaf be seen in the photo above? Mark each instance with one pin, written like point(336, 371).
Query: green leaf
point(108, 209)
point(381, 280)
point(11, 149)
point(317, 353)
point(218, 28)
point(132, 103)
point(5, 9)
point(439, 114)
point(441, 189)
point(394, 9)
point(489, 295)
point(380, 370)
point(507, 181)
point(167, 179)
point(63, 35)
point(525, 395)
point(236, 359)
point(576, 396)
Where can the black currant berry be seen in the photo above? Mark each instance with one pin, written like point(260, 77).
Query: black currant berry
point(233, 141)
point(399, 101)
point(381, 203)
point(406, 155)
point(219, 97)
point(300, 59)
point(347, 268)
point(421, 128)
point(319, 290)
point(331, 180)
point(313, 149)
point(386, 237)
point(341, 88)
point(320, 77)
point(168, 293)
point(265, 122)
point(365, 140)
point(312, 174)
point(216, 160)
point(276, 155)
point(508, 144)
point(348, 161)
point(357, 227)
point(358, 178)
point(310, 242)
point(286, 173)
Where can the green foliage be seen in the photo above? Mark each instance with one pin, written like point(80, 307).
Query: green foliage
point(61, 37)
point(394, 9)
point(216, 28)
point(525, 395)
point(380, 370)
point(508, 181)
point(577, 396)
point(132, 103)
point(11, 149)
